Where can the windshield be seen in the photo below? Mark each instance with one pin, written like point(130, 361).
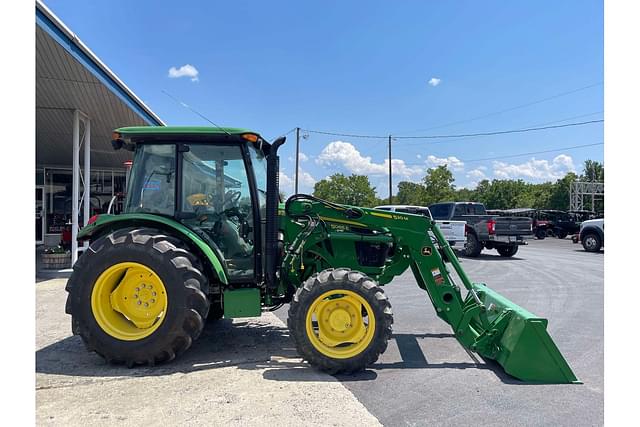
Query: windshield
point(152, 185)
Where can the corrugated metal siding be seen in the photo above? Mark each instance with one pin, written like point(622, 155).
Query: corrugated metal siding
point(63, 85)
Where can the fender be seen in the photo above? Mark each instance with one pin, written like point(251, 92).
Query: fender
point(105, 223)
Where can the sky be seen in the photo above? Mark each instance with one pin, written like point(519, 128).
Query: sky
point(377, 68)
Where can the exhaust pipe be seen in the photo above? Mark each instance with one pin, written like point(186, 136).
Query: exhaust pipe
point(273, 199)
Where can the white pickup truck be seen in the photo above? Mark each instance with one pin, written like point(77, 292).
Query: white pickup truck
point(454, 231)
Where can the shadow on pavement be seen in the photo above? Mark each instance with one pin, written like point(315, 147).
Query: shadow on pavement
point(245, 345)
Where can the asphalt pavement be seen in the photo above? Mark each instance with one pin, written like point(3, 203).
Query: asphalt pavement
point(425, 377)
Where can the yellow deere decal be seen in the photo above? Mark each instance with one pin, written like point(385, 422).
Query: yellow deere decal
point(382, 215)
point(342, 221)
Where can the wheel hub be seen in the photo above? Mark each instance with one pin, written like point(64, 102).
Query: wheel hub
point(129, 301)
point(340, 320)
point(345, 324)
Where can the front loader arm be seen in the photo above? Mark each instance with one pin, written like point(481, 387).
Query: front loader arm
point(482, 320)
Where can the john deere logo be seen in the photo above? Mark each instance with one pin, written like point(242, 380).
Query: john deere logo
point(426, 250)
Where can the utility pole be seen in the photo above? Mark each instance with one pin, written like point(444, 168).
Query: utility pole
point(297, 158)
point(390, 183)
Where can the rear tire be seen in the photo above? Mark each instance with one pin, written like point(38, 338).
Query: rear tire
point(541, 233)
point(561, 234)
point(591, 242)
point(341, 284)
point(507, 251)
point(175, 329)
point(473, 247)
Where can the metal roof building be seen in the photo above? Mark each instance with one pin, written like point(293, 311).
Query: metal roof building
point(79, 101)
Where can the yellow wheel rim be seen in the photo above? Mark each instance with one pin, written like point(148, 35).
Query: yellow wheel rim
point(340, 324)
point(129, 301)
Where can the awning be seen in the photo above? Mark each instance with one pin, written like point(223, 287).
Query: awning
point(70, 77)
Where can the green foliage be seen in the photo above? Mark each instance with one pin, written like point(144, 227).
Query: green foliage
point(593, 171)
point(437, 186)
point(560, 193)
point(410, 193)
point(353, 190)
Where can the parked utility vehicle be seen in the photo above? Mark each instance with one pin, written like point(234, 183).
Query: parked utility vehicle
point(592, 235)
point(503, 233)
point(454, 231)
point(204, 235)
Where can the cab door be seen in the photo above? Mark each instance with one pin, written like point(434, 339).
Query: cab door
point(217, 199)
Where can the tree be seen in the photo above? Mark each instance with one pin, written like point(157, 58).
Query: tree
point(350, 190)
point(504, 194)
point(560, 192)
point(438, 185)
point(593, 171)
point(410, 193)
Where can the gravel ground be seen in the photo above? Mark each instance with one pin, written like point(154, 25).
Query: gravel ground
point(244, 372)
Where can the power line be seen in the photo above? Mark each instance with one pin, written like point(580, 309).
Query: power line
point(533, 152)
point(517, 107)
point(501, 132)
point(412, 144)
point(349, 135)
point(510, 156)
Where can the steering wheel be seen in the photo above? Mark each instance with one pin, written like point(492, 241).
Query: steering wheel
point(231, 199)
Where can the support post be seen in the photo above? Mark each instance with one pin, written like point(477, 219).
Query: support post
point(297, 159)
point(390, 172)
point(87, 173)
point(75, 186)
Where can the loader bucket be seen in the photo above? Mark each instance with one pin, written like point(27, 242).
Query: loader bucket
point(518, 340)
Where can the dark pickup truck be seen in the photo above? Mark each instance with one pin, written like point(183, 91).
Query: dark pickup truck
point(502, 233)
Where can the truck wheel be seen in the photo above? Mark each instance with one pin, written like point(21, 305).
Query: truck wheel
point(507, 250)
point(541, 233)
point(136, 298)
point(561, 234)
point(340, 321)
point(473, 247)
point(591, 242)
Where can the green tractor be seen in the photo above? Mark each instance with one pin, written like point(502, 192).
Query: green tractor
point(205, 235)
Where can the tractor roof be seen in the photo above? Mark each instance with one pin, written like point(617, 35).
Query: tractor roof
point(206, 134)
point(174, 130)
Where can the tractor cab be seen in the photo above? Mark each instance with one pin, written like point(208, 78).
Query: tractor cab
point(211, 180)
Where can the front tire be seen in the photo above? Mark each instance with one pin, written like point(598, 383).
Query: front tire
point(340, 321)
point(136, 298)
point(591, 242)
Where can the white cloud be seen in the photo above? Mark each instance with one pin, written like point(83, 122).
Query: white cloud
point(535, 169)
point(476, 174)
point(339, 153)
point(434, 81)
point(452, 162)
point(419, 156)
point(303, 157)
point(186, 70)
point(305, 182)
point(286, 183)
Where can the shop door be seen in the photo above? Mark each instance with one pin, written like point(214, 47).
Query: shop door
point(39, 215)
